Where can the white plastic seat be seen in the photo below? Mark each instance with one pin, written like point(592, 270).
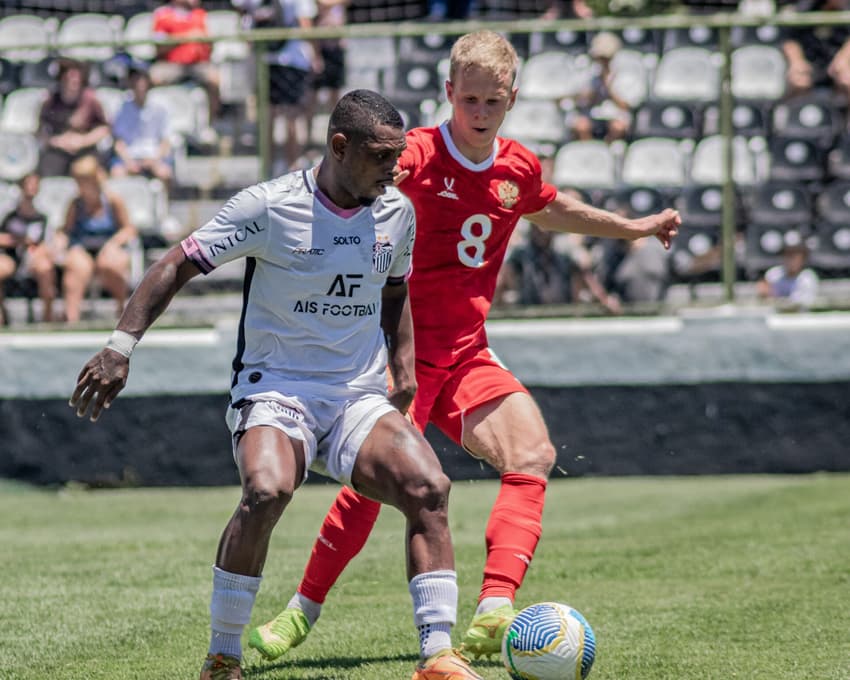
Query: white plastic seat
point(534, 122)
point(374, 52)
point(758, 72)
point(688, 74)
point(111, 99)
point(585, 165)
point(631, 77)
point(707, 162)
point(187, 106)
point(553, 75)
point(225, 25)
point(24, 29)
point(21, 109)
point(89, 27)
point(654, 162)
point(145, 199)
point(54, 196)
point(18, 155)
point(9, 196)
point(140, 27)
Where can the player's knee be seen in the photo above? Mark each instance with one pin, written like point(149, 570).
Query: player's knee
point(267, 498)
point(537, 460)
point(428, 491)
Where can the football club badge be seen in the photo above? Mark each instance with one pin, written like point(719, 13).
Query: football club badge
point(508, 193)
point(382, 256)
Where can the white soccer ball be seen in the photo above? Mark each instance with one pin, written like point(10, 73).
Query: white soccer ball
point(549, 641)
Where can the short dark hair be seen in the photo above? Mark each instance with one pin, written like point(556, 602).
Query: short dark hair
point(359, 112)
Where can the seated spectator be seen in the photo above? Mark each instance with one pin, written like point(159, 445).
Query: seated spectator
point(23, 248)
point(188, 60)
point(536, 273)
point(96, 232)
point(643, 274)
point(790, 282)
point(819, 56)
point(600, 112)
point(141, 133)
point(331, 57)
point(71, 121)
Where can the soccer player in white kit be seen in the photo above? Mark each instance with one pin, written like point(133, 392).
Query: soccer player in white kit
point(325, 312)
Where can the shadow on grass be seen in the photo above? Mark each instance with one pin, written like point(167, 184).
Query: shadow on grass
point(335, 666)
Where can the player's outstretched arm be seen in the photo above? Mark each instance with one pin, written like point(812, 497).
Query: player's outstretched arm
point(397, 324)
point(105, 374)
point(566, 213)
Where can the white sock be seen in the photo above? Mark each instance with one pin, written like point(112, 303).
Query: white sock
point(311, 608)
point(434, 609)
point(488, 604)
point(433, 638)
point(230, 610)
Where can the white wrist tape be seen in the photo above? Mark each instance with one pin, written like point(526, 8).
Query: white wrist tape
point(122, 342)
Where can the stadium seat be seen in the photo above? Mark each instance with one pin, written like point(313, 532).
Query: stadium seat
point(226, 24)
point(25, 29)
point(676, 120)
point(188, 110)
point(21, 110)
point(88, 27)
point(9, 195)
point(140, 27)
point(146, 203)
point(766, 34)
point(585, 165)
point(707, 162)
point(637, 201)
point(54, 196)
point(373, 52)
point(553, 76)
point(535, 123)
point(644, 40)
point(794, 159)
point(655, 161)
point(9, 76)
point(632, 76)
point(701, 206)
point(758, 73)
point(810, 116)
point(425, 49)
point(415, 81)
point(780, 203)
point(111, 99)
point(833, 202)
point(18, 155)
point(749, 119)
point(765, 243)
point(571, 42)
point(694, 36)
point(830, 246)
point(688, 74)
point(838, 160)
point(695, 254)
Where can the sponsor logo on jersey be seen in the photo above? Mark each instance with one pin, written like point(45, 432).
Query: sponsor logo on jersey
point(449, 191)
point(301, 250)
point(382, 255)
point(508, 193)
point(346, 240)
point(241, 234)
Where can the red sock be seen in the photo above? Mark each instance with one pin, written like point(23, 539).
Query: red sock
point(343, 534)
point(512, 534)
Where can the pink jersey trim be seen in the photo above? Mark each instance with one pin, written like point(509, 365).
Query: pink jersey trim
point(194, 254)
point(345, 213)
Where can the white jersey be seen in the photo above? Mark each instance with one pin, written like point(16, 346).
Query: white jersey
point(312, 295)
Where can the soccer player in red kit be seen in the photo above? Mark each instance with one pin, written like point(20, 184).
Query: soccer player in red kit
point(469, 188)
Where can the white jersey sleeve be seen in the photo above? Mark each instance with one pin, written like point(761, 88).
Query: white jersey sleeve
point(239, 229)
point(402, 265)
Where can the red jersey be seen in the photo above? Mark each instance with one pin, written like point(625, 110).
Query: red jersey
point(172, 22)
point(465, 214)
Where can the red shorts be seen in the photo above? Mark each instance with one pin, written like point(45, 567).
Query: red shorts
point(445, 395)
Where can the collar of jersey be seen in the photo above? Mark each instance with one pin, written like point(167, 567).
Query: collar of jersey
point(455, 153)
point(317, 192)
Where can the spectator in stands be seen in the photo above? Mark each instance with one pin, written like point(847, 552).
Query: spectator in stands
point(96, 232)
point(600, 112)
point(568, 9)
point(291, 64)
point(536, 274)
point(189, 60)
point(331, 77)
point(643, 274)
point(819, 56)
point(23, 248)
point(792, 281)
point(71, 122)
point(141, 133)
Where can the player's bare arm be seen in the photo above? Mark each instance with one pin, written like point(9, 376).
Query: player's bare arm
point(397, 324)
point(569, 214)
point(105, 374)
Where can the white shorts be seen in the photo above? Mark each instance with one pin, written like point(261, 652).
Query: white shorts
point(333, 430)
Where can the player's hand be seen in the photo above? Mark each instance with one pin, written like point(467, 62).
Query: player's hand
point(402, 398)
point(100, 381)
point(664, 226)
point(399, 175)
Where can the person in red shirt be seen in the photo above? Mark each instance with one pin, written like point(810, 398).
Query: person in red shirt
point(469, 188)
point(188, 60)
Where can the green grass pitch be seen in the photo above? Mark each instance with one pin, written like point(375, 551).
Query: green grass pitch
point(702, 578)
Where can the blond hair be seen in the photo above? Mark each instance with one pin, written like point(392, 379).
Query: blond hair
point(87, 167)
point(485, 50)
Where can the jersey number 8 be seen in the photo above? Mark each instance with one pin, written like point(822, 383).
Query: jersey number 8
point(470, 251)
